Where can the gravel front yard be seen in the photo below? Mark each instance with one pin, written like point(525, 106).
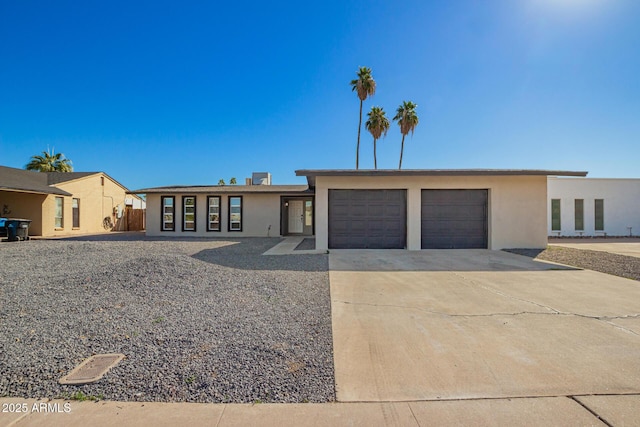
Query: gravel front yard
point(604, 262)
point(198, 320)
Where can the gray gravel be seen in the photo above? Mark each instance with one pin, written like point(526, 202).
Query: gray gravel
point(604, 262)
point(198, 320)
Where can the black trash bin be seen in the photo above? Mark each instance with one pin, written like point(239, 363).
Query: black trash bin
point(17, 229)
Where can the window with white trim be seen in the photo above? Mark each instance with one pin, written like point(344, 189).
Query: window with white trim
point(189, 213)
point(235, 213)
point(59, 213)
point(213, 216)
point(168, 210)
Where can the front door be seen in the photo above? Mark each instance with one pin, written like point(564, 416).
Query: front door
point(296, 216)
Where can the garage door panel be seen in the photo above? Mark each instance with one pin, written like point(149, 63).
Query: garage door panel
point(463, 214)
point(340, 208)
point(373, 219)
point(455, 219)
point(376, 225)
point(395, 211)
point(375, 211)
point(455, 227)
point(357, 210)
point(449, 242)
point(454, 197)
point(358, 226)
point(341, 226)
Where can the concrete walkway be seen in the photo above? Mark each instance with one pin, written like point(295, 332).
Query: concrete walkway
point(546, 411)
point(288, 247)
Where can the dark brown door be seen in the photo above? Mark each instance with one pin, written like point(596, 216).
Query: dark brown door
point(454, 219)
point(367, 219)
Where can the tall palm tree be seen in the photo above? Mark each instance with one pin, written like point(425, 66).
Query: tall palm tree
point(364, 86)
point(407, 120)
point(377, 125)
point(49, 162)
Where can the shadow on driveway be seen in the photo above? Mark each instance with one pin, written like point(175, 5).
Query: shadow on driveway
point(436, 260)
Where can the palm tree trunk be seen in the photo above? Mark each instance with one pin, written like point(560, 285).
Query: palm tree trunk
point(401, 151)
point(375, 160)
point(358, 146)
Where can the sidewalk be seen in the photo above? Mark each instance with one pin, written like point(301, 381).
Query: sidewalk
point(542, 411)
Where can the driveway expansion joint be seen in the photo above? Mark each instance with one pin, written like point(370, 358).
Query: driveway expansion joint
point(591, 411)
point(502, 294)
point(519, 313)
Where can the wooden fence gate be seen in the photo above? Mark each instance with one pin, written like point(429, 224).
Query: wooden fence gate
point(134, 219)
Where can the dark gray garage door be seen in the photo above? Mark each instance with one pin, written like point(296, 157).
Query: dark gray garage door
point(454, 219)
point(367, 219)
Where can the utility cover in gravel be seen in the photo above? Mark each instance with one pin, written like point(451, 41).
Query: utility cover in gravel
point(199, 320)
point(91, 369)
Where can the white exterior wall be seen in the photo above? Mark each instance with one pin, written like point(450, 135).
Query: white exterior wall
point(621, 205)
point(517, 205)
point(259, 211)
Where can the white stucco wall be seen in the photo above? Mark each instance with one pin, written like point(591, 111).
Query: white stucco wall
point(621, 205)
point(259, 211)
point(517, 205)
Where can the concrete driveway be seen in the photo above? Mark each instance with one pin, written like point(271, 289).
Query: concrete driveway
point(626, 246)
point(463, 324)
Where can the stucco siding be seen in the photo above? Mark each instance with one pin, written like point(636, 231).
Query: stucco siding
point(516, 208)
point(621, 205)
point(24, 205)
point(97, 202)
point(260, 215)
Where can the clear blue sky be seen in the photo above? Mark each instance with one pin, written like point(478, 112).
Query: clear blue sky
point(159, 93)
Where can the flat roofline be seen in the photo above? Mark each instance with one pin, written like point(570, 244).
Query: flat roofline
point(596, 178)
point(224, 189)
point(311, 174)
point(436, 172)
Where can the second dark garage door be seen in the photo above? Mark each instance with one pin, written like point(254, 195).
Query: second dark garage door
point(454, 219)
point(367, 219)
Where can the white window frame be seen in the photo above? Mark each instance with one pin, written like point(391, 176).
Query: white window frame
point(213, 209)
point(235, 223)
point(59, 213)
point(188, 225)
point(165, 214)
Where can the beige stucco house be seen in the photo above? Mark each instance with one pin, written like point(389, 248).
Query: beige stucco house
point(391, 209)
point(232, 210)
point(62, 204)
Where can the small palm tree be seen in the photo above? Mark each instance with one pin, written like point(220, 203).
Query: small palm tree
point(364, 86)
point(49, 162)
point(377, 125)
point(221, 182)
point(407, 120)
point(233, 181)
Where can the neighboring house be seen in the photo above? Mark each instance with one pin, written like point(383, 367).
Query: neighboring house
point(395, 209)
point(60, 204)
point(593, 207)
